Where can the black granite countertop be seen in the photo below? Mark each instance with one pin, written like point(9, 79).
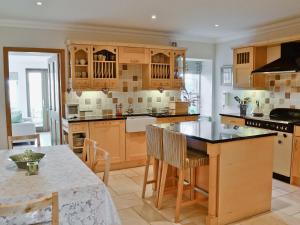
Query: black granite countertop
point(236, 115)
point(124, 116)
point(216, 132)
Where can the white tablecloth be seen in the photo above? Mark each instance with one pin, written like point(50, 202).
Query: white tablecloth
point(83, 197)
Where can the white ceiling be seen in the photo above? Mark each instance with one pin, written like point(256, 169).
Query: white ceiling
point(194, 18)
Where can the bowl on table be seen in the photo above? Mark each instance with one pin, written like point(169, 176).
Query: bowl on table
point(22, 159)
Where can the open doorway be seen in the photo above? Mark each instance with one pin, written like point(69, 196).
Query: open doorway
point(35, 81)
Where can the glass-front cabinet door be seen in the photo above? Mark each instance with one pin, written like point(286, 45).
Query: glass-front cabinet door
point(178, 68)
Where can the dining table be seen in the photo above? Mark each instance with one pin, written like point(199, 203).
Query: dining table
point(83, 198)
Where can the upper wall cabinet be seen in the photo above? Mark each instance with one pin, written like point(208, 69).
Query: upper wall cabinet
point(134, 55)
point(178, 68)
point(245, 61)
point(105, 67)
point(80, 64)
point(158, 73)
point(95, 66)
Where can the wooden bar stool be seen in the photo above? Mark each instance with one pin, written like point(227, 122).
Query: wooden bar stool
point(177, 154)
point(154, 139)
point(33, 205)
point(12, 139)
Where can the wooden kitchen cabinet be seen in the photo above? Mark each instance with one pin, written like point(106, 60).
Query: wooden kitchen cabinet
point(245, 60)
point(136, 148)
point(134, 55)
point(178, 68)
point(158, 74)
point(110, 135)
point(232, 120)
point(176, 119)
point(80, 64)
point(295, 178)
point(77, 132)
point(105, 67)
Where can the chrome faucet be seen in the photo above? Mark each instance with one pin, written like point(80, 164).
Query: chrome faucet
point(130, 109)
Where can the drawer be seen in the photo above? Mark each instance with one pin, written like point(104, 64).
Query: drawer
point(233, 120)
point(113, 84)
point(99, 83)
point(81, 83)
point(78, 127)
point(297, 131)
point(160, 83)
point(191, 118)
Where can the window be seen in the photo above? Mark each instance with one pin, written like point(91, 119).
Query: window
point(192, 82)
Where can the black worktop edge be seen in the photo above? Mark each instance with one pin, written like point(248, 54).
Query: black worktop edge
point(124, 117)
point(232, 139)
point(233, 115)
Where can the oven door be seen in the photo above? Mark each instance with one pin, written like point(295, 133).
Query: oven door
point(283, 154)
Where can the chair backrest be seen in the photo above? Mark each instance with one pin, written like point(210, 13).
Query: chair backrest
point(92, 154)
point(105, 156)
point(154, 139)
point(33, 205)
point(175, 148)
point(12, 139)
point(88, 152)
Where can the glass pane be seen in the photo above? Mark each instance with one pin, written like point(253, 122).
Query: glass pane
point(13, 94)
point(35, 97)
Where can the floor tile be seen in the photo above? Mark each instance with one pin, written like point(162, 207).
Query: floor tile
point(127, 201)
point(130, 217)
point(126, 189)
point(122, 184)
point(148, 213)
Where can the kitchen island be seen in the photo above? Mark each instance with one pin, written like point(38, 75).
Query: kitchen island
point(239, 176)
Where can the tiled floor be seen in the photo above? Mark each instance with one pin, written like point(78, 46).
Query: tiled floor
point(126, 186)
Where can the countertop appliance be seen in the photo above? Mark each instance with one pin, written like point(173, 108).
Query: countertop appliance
point(72, 110)
point(281, 120)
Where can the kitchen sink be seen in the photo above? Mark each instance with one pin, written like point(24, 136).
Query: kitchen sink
point(138, 123)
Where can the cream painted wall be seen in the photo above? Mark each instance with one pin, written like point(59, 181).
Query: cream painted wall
point(21, 37)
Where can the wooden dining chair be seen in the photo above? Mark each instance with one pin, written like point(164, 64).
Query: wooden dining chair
point(32, 206)
point(12, 139)
point(92, 155)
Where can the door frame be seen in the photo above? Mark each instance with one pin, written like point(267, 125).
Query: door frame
point(61, 80)
point(44, 84)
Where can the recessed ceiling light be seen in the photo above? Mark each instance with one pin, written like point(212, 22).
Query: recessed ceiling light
point(216, 25)
point(154, 17)
point(39, 3)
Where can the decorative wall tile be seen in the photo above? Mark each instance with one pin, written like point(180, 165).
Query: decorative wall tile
point(87, 101)
point(115, 100)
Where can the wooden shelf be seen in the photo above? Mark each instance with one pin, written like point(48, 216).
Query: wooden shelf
point(162, 64)
point(81, 65)
point(102, 61)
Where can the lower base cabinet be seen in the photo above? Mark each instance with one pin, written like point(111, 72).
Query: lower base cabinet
point(295, 178)
point(126, 149)
point(136, 148)
point(110, 136)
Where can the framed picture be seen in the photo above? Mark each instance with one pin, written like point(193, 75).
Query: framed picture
point(226, 75)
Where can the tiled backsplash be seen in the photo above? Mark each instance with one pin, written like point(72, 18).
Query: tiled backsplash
point(129, 92)
point(283, 91)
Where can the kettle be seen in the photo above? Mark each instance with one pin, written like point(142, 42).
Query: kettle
point(258, 111)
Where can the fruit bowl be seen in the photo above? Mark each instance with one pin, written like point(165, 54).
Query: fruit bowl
point(22, 159)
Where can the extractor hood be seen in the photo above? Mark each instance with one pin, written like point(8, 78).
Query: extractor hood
point(289, 61)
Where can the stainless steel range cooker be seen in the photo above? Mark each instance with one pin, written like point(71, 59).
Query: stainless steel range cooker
point(283, 121)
